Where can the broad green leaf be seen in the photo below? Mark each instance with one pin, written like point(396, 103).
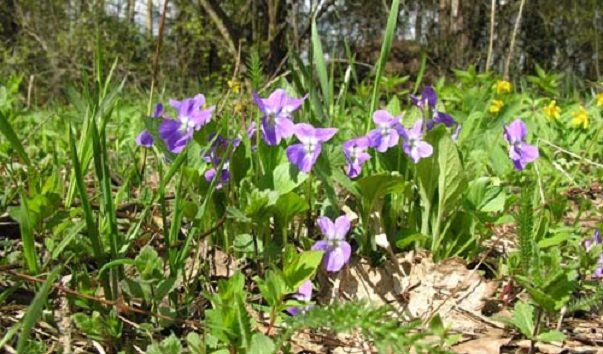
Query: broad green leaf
point(287, 177)
point(261, 344)
point(452, 181)
point(437, 326)
point(551, 336)
point(300, 267)
point(287, 206)
point(523, 318)
point(260, 204)
point(170, 345)
point(372, 188)
point(273, 287)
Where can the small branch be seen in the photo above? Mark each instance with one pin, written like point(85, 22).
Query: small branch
point(119, 304)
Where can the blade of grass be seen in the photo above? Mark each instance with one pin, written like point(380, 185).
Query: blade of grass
point(7, 130)
point(102, 172)
point(321, 67)
point(34, 311)
point(92, 228)
point(421, 72)
point(388, 37)
point(27, 237)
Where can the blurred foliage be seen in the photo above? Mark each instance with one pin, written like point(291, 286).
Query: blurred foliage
point(52, 43)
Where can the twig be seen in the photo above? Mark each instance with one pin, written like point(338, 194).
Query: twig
point(119, 304)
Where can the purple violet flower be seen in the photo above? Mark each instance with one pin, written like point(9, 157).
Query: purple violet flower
point(356, 155)
point(304, 155)
point(191, 117)
point(520, 152)
point(303, 294)
point(337, 249)
point(386, 134)
point(592, 243)
point(145, 139)
point(427, 101)
point(216, 153)
point(277, 110)
point(413, 144)
point(428, 98)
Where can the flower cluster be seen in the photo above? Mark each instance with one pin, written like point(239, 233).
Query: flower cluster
point(389, 130)
point(500, 88)
point(590, 244)
point(176, 133)
point(215, 155)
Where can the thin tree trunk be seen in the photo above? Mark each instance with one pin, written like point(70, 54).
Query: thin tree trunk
point(491, 42)
point(418, 22)
point(595, 19)
point(223, 24)
point(513, 36)
point(131, 10)
point(149, 19)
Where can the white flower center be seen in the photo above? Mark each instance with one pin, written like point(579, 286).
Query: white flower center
point(385, 129)
point(333, 243)
point(186, 124)
point(354, 152)
point(310, 145)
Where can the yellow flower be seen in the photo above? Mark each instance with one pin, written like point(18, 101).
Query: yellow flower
point(502, 86)
point(580, 118)
point(552, 111)
point(496, 106)
point(234, 86)
point(238, 107)
point(600, 100)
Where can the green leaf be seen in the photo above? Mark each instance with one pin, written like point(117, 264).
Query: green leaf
point(195, 343)
point(149, 264)
point(260, 204)
point(551, 336)
point(437, 326)
point(287, 206)
point(372, 188)
point(273, 287)
point(300, 267)
point(27, 219)
point(386, 45)
point(34, 311)
point(452, 180)
point(321, 67)
point(170, 345)
point(287, 178)
point(7, 130)
point(523, 318)
point(261, 344)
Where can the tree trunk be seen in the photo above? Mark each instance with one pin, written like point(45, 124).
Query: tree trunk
point(222, 22)
point(149, 19)
point(131, 10)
